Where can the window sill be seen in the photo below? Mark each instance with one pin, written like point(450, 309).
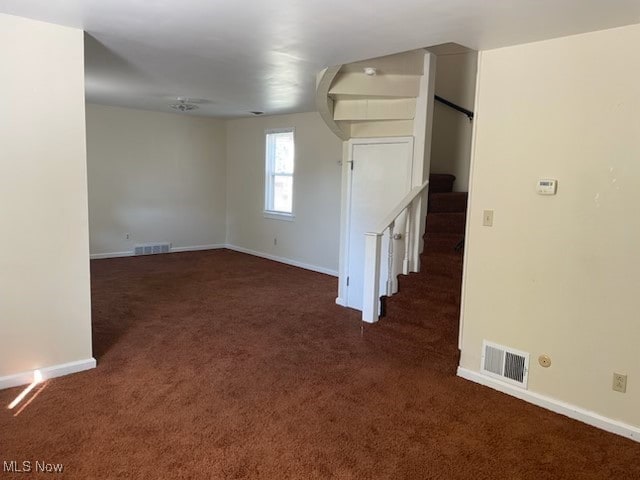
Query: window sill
point(287, 217)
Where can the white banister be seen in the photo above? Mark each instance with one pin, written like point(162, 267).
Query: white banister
point(390, 260)
point(373, 247)
point(404, 203)
point(371, 280)
point(407, 242)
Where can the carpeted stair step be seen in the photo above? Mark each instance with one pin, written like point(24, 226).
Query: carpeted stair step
point(442, 242)
point(445, 223)
point(430, 299)
point(441, 182)
point(450, 202)
point(425, 292)
point(432, 274)
point(434, 282)
point(432, 286)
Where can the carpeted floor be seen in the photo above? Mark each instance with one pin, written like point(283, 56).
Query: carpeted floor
point(216, 365)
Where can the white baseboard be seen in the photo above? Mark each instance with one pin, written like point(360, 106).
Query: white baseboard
point(99, 256)
point(295, 263)
point(194, 248)
point(54, 371)
point(197, 248)
point(557, 406)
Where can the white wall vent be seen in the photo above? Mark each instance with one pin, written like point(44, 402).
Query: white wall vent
point(151, 248)
point(505, 363)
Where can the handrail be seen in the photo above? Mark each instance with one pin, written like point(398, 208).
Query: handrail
point(446, 102)
point(373, 245)
point(404, 203)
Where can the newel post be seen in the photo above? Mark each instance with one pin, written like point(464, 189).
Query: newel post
point(371, 281)
point(406, 267)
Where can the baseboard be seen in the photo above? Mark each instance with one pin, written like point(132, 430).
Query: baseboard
point(288, 261)
point(194, 248)
point(54, 371)
point(197, 248)
point(100, 256)
point(557, 406)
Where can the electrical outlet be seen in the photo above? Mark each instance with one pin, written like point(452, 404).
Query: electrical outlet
point(127, 236)
point(619, 382)
point(275, 240)
point(487, 218)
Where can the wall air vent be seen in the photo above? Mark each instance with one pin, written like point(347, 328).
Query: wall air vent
point(504, 363)
point(151, 248)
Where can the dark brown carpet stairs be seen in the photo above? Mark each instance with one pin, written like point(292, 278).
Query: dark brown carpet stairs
point(216, 365)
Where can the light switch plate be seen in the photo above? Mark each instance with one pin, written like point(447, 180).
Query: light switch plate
point(487, 218)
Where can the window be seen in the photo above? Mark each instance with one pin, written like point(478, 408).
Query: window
point(280, 152)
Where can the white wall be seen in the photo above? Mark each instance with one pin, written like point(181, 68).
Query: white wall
point(157, 176)
point(45, 311)
point(452, 130)
point(313, 237)
point(560, 274)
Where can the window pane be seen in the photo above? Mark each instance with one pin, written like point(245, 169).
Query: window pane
point(282, 193)
point(280, 154)
point(283, 152)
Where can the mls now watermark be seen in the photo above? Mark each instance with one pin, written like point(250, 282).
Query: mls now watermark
point(28, 466)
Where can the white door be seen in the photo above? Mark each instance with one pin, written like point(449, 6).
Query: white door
point(380, 178)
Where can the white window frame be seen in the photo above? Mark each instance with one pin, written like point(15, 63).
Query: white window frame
point(269, 177)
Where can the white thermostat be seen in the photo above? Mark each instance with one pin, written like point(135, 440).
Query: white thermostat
point(547, 186)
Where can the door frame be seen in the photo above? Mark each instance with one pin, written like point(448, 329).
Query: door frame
point(347, 179)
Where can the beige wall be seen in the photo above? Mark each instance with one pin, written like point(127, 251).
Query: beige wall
point(452, 130)
point(560, 274)
point(158, 176)
point(313, 237)
point(45, 312)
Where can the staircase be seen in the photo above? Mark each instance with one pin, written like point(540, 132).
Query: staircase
point(377, 102)
point(430, 300)
point(446, 215)
point(389, 97)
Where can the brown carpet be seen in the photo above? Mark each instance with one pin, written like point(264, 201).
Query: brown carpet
point(222, 365)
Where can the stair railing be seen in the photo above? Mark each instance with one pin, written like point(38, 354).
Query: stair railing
point(373, 247)
point(450, 104)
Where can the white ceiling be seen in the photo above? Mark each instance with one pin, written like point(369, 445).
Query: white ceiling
point(245, 55)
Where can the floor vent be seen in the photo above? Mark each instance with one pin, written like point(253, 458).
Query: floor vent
point(505, 363)
point(151, 248)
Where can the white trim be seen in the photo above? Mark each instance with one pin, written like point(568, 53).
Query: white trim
point(557, 406)
point(287, 261)
point(54, 371)
point(100, 256)
point(340, 301)
point(345, 228)
point(470, 195)
point(269, 176)
point(287, 217)
point(197, 248)
point(344, 222)
point(192, 248)
point(269, 131)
